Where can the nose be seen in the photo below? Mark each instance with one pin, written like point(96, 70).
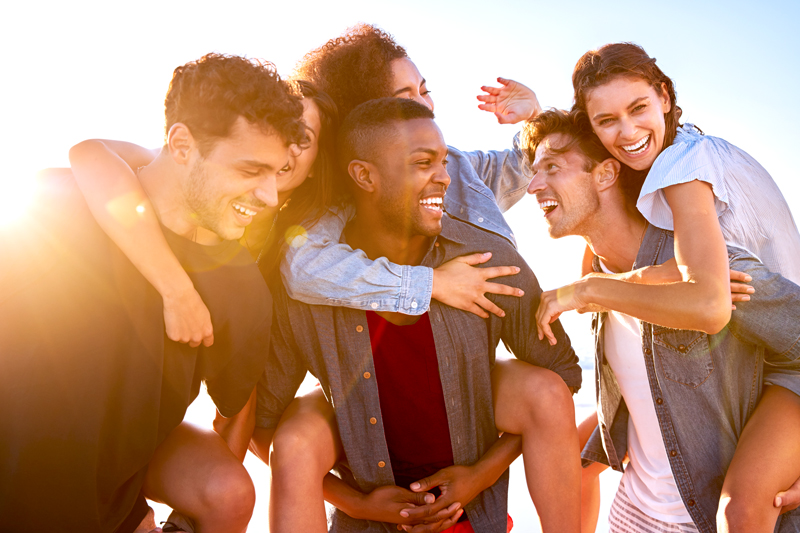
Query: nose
point(267, 191)
point(627, 128)
point(422, 100)
point(537, 183)
point(442, 177)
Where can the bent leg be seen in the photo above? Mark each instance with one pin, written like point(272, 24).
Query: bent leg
point(535, 403)
point(194, 472)
point(766, 462)
point(305, 447)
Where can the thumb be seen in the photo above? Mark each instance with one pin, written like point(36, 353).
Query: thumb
point(503, 81)
point(421, 498)
point(426, 483)
point(476, 259)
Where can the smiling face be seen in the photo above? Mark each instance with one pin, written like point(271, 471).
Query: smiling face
point(407, 82)
point(627, 114)
point(235, 180)
point(299, 166)
point(563, 187)
point(412, 179)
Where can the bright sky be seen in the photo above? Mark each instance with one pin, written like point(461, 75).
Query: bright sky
point(78, 70)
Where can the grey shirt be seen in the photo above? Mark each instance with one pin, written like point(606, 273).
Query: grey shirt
point(333, 343)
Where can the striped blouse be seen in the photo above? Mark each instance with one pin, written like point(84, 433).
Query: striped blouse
point(752, 211)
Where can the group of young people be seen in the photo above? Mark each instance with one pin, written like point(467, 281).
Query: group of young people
point(377, 258)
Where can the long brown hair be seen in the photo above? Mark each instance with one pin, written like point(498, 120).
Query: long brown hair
point(612, 61)
point(316, 194)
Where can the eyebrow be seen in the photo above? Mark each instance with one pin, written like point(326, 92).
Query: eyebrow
point(632, 104)
point(259, 164)
point(408, 88)
point(430, 151)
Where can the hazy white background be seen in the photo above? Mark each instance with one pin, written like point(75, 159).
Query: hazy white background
point(77, 70)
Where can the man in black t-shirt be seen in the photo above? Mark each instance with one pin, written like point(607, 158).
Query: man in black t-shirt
point(91, 390)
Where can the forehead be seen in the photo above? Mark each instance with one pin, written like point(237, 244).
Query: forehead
point(404, 72)
point(418, 134)
point(551, 146)
point(620, 91)
point(311, 115)
point(247, 141)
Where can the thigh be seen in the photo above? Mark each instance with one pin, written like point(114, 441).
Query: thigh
point(766, 459)
point(189, 462)
point(521, 392)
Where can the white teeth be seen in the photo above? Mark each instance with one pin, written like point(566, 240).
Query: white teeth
point(434, 202)
point(637, 148)
point(244, 211)
point(547, 204)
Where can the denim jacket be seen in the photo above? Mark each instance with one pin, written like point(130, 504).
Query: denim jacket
point(704, 387)
point(319, 270)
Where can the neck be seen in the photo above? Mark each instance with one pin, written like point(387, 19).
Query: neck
point(372, 235)
point(160, 180)
point(616, 236)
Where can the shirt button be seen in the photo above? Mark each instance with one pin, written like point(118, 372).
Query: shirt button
point(480, 219)
point(648, 351)
point(691, 503)
point(373, 420)
point(381, 464)
point(461, 211)
point(359, 328)
point(436, 244)
point(659, 401)
point(414, 304)
point(682, 348)
point(374, 305)
point(367, 375)
point(673, 453)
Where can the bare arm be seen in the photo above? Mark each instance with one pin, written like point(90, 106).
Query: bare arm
point(700, 301)
point(118, 202)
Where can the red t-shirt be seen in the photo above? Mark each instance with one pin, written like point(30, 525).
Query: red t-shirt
point(411, 396)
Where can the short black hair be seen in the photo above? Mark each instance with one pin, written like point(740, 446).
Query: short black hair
point(369, 125)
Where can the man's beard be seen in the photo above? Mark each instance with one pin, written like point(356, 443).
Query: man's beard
point(202, 202)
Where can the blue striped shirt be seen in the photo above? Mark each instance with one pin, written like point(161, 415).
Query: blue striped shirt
point(752, 211)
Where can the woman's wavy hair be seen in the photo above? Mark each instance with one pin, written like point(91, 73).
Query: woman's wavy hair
point(615, 60)
point(316, 194)
point(354, 67)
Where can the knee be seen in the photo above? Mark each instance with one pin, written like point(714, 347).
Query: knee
point(230, 492)
point(548, 400)
point(299, 446)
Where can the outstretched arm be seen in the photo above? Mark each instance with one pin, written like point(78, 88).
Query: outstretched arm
point(700, 301)
point(320, 270)
point(118, 202)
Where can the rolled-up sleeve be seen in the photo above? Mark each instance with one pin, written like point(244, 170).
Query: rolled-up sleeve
point(318, 269)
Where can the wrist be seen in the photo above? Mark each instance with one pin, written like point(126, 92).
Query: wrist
point(176, 289)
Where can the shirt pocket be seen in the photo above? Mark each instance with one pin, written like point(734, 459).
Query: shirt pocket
point(684, 356)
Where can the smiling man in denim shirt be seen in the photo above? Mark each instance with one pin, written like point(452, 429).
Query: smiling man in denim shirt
point(674, 401)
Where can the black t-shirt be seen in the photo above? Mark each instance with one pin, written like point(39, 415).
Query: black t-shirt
point(89, 383)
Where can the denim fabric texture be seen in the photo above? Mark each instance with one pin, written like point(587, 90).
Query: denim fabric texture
point(704, 387)
point(318, 269)
point(333, 343)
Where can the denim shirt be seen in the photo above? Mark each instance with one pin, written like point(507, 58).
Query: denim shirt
point(317, 269)
point(704, 387)
point(333, 343)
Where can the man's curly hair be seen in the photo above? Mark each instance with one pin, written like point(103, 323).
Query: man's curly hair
point(209, 94)
point(354, 67)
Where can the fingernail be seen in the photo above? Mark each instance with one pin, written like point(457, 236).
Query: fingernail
point(502, 314)
point(521, 292)
point(745, 298)
point(414, 486)
point(778, 502)
point(748, 277)
point(751, 290)
point(516, 269)
point(404, 514)
point(487, 254)
point(430, 498)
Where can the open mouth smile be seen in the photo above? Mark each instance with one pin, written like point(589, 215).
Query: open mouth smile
point(548, 206)
point(246, 213)
point(432, 203)
point(638, 147)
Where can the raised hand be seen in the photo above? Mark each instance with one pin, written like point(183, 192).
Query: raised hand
point(460, 284)
point(555, 302)
point(510, 103)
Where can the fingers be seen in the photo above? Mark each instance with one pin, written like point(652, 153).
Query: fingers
point(208, 340)
point(430, 514)
point(494, 91)
point(488, 98)
point(436, 527)
point(740, 276)
point(504, 81)
point(545, 330)
point(490, 306)
point(499, 288)
point(475, 259)
point(742, 288)
point(788, 499)
point(499, 272)
point(491, 108)
point(421, 499)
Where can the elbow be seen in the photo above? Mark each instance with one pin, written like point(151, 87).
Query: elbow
point(715, 314)
point(79, 150)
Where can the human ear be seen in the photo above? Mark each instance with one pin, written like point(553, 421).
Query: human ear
point(665, 99)
point(362, 173)
point(606, 173)
point(180, 143)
